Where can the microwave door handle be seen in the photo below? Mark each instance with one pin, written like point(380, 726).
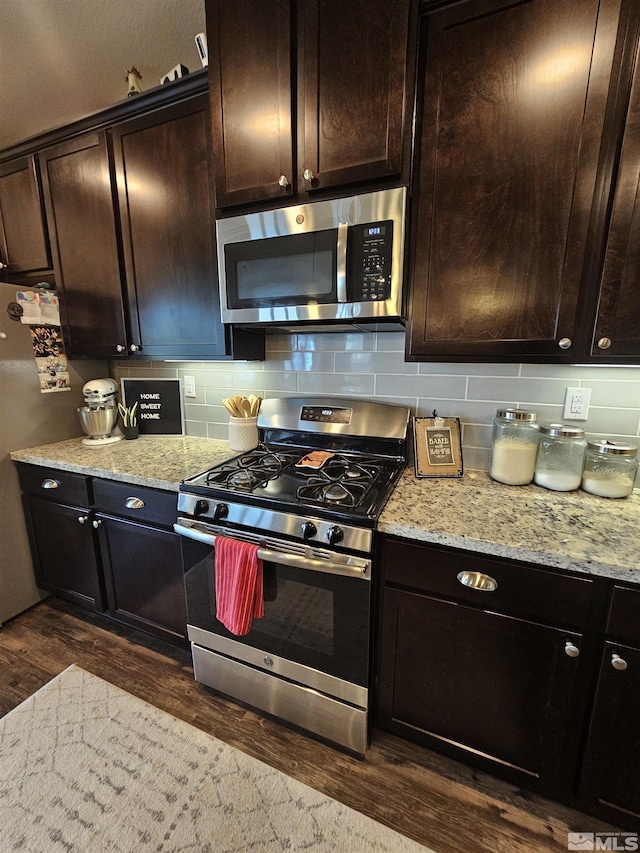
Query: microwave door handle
point(341, 262)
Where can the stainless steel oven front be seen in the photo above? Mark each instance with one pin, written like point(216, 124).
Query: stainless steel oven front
point(306, 660)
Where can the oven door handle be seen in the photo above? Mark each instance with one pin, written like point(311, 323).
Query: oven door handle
point(359, 569)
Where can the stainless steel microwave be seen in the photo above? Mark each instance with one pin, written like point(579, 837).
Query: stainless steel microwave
point(317, 264)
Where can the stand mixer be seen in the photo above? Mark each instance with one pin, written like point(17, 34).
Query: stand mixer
point(99, 417)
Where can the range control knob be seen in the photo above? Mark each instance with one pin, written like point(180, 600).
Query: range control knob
point(334, 535)
point(308, 529)
point(201, 507)
point(221, 511)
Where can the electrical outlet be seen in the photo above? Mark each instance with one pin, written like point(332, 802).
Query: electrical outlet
point(189, 386)
point(576, 404)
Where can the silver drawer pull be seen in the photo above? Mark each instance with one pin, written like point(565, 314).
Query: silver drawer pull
point(50, 484)
point(618, 663)
point(571, 650)
point(134, 503)
point(476, 580)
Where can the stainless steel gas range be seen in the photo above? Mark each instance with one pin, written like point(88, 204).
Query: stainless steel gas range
point(309, 497)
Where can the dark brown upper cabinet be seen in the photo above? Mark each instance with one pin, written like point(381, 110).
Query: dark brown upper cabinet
point(512, 104)
point(616, 333)
point(82, 227)
point(308, 96)
point(24, 244)
point(167, 232)
point(130, 216)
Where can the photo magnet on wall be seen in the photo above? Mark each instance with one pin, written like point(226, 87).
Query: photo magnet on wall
point(437, 446)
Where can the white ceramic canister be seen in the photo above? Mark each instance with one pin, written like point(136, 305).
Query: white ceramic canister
point(560, 457)
point(243, 433)
point(514, 444)
point(609, 469)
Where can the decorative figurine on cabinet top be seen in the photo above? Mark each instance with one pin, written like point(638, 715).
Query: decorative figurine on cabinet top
point(133, 75)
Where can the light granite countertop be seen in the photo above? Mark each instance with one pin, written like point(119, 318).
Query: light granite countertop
point(568, 530)
point(160, 462)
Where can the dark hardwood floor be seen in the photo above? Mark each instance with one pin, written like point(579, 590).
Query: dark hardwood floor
point(439, 802)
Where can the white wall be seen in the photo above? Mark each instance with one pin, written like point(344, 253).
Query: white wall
point(372, 366)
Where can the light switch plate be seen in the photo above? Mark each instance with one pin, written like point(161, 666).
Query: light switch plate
point(576, 404)
point(189, 386)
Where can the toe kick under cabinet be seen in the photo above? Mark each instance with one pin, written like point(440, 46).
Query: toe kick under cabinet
point(490, 661)
point(108, 546)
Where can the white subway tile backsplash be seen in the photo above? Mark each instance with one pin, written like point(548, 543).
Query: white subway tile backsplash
point(372, 366)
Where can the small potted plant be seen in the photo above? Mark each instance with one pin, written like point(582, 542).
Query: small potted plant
point(129, 420)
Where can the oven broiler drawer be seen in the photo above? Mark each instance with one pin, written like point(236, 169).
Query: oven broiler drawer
point(305, 708)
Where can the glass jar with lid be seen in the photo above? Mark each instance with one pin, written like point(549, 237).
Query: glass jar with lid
point(609, 469)
point(514, 443)
point(560, 457)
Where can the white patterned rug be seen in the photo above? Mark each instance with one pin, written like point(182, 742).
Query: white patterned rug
point(85, 767)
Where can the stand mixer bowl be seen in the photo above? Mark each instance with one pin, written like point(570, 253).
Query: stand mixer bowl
point(97, 423)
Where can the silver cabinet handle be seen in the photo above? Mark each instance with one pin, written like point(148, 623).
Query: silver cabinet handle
point(283, 181)
point(50, 484)
point(604, 343)
point(618, 663)
point(476, 580)
point(96, 523)
point(120, 348)
point(82, 519)
point(134, 503)
point(307, 175)
point(564, 343)
point(571, 650)
point(2, 266)
point(135, 347)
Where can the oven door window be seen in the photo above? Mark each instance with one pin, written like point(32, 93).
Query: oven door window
point(296, 269)
point(312, 618)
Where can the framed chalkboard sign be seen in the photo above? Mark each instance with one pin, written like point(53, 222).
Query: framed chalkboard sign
point(438, 450)
point(159, 402)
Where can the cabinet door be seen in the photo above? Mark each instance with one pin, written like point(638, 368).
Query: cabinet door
point(166, 218)
point(512, 104)
point(482, 687)
point(617, 327)
point(144, 577)
point(82, 227)
point(250, 91)
point(352, 90)
point(610, 780)
point(63, 551)
point(24, 245)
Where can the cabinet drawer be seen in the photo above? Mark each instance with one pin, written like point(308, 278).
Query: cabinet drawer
point(530, 593)
point(136, 502)
point(63, 487)
point(624, 615)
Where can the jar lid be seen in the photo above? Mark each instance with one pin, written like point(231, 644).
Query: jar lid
point(517, 415)
point(562, 431)
point(605, 446)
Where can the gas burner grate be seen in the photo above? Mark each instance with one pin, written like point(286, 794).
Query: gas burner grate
point(342, 481)
point(250, 470)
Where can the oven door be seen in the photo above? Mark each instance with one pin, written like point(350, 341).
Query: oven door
point(315, 628)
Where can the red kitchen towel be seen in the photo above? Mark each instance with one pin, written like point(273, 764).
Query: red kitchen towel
point(238, 576)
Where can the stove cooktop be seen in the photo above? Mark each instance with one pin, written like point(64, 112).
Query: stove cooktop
point(351, 485)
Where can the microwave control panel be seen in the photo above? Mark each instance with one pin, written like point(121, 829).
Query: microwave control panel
point(372, 250)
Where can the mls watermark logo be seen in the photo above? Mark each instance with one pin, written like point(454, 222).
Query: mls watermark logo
point(615, 841)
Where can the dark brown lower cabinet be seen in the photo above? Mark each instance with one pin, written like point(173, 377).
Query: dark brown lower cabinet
point(108, 546)
point(610, 782)
point(143, 576)
point(488, 661)
point(63, 551)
